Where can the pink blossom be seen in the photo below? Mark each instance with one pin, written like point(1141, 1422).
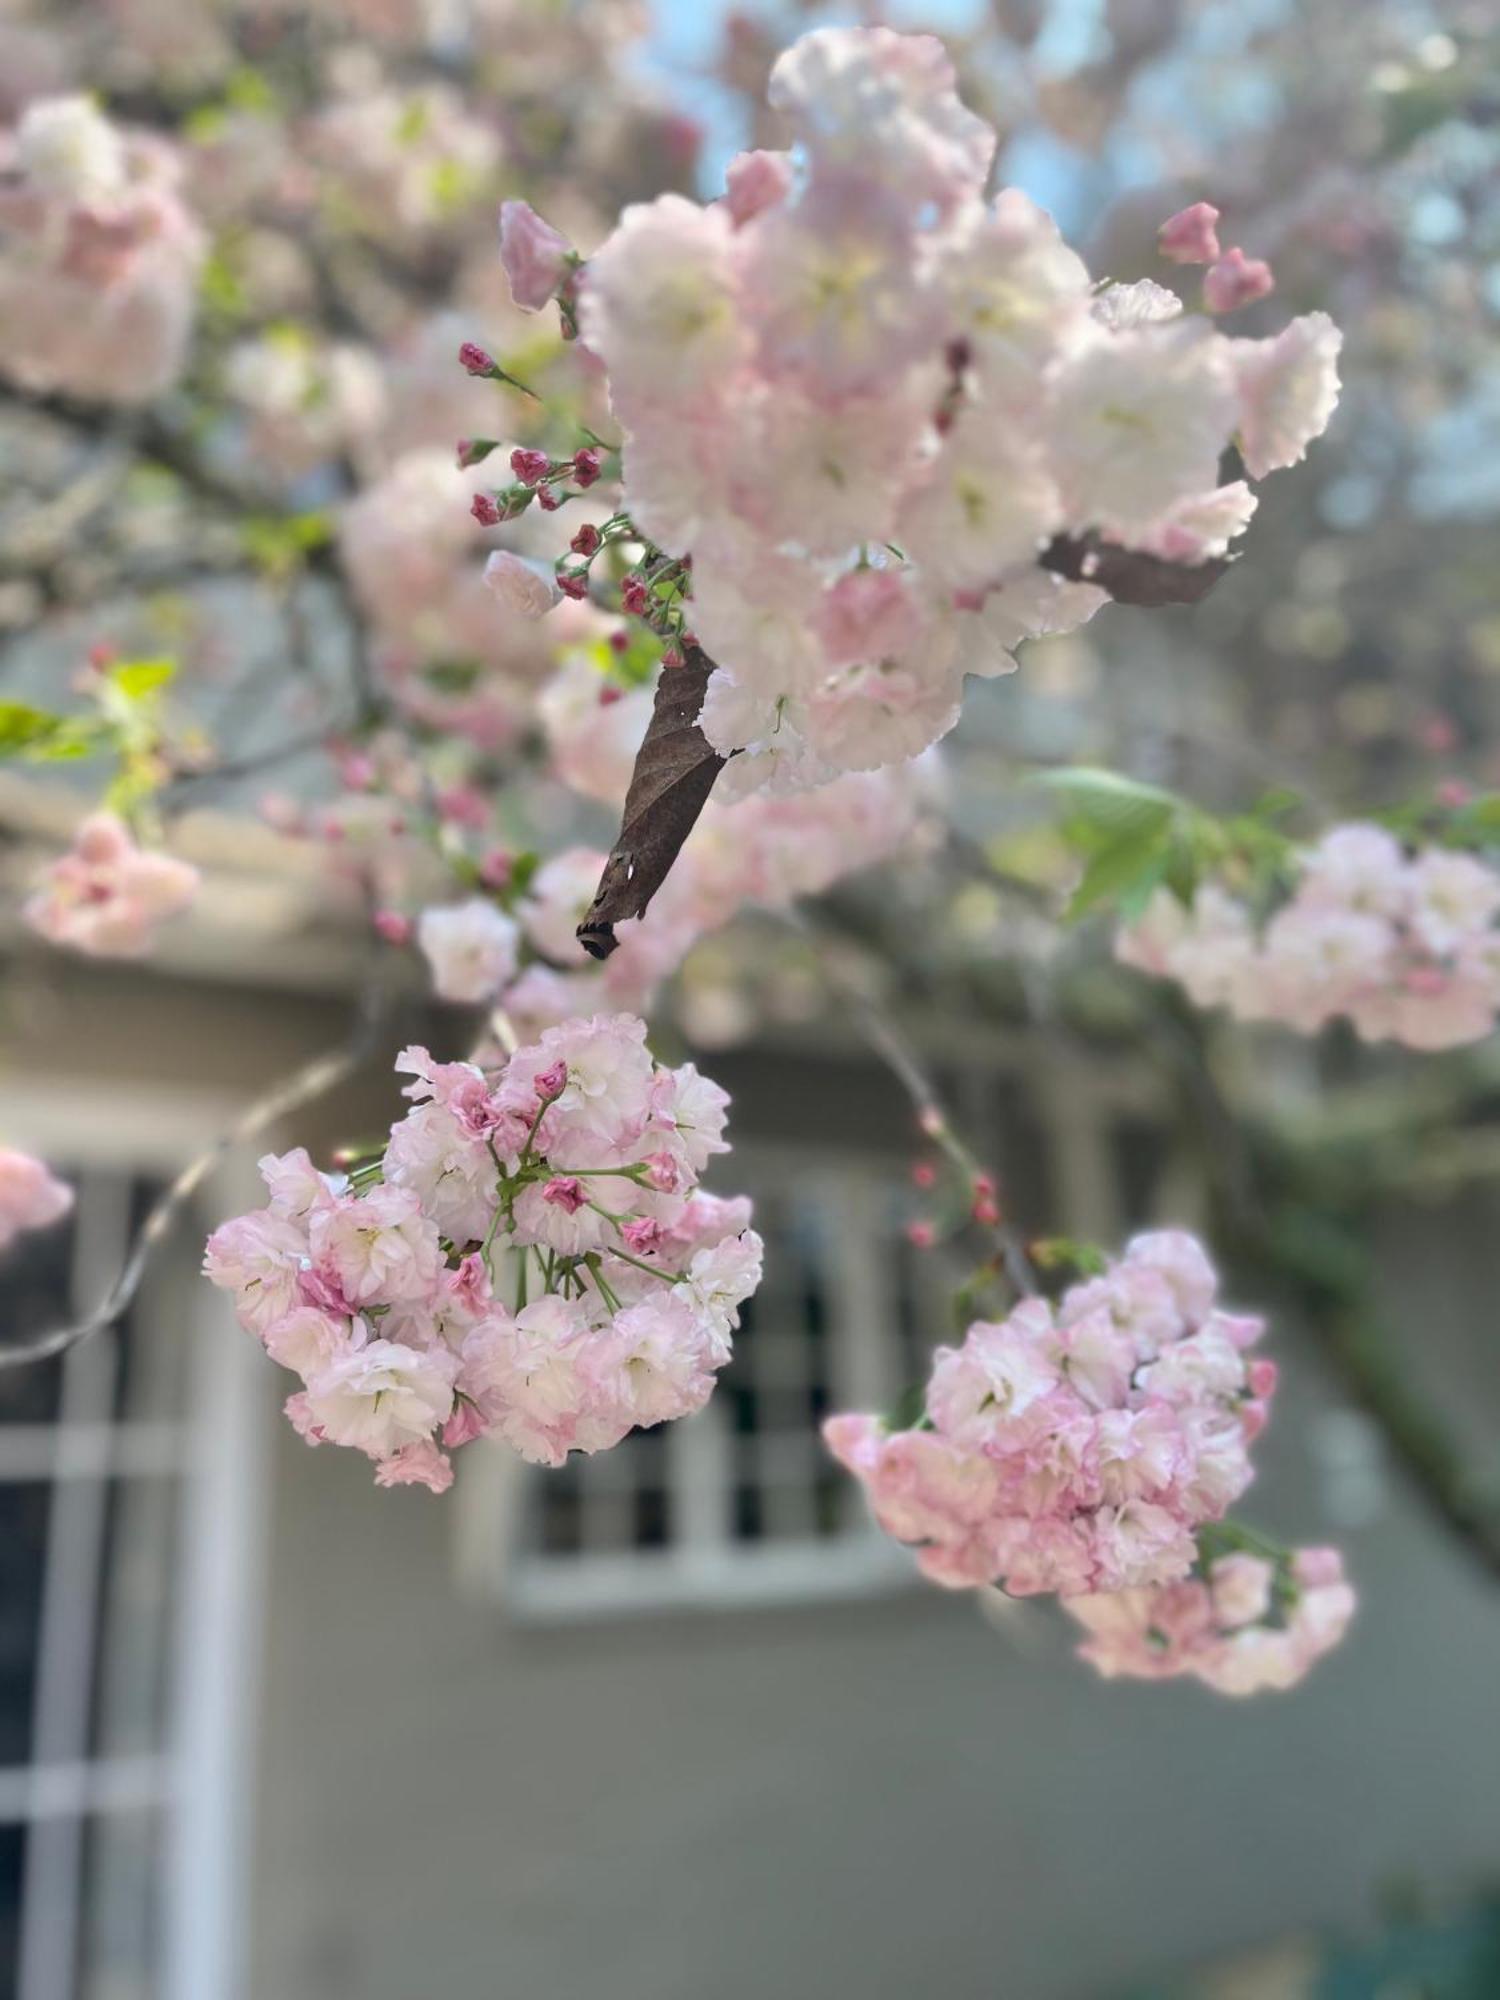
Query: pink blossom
point(1407, 947)
point(380, 1245)
point(471, 948)
point(258, 1257)
point(381, 1396)
point(420, 1464)
point(756, 181)
point(99, 257)
point(537, 259)
point(1191, 235)
point(869, 614)
point(107, 896)
point(524, 586)
point(1248, 1624)
point(1288, 391)
point(1236, 280)
point(1051, 1459)
point(31, 1196)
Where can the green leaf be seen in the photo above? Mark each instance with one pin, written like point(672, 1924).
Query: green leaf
point(1126, 871)
point(136, 679)
point(43, 738)
point(22, 727)
point(1109, 799)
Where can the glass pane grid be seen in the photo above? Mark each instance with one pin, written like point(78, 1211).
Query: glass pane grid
point(748, 1476)
point(91, 1452)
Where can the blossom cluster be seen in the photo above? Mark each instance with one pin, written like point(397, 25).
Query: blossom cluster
point(1076, 1449)
point(860, 401)
point(1404, 945)
point(1243, 1623)
point(31, 1195)
point(107, 896)
point(569, 1178)
point(99, 257)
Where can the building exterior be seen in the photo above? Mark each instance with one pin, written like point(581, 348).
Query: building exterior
point(674, 1722)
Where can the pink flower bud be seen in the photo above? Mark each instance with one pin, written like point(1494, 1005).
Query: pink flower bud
point(547, 500)
point(537, 260)
point(586, 465)
point(1261, 1374)
point(986, 1210)
point(1235, 281)
point(619, 640)
point(643, 1235)
point(463, 805)
point(566, 1193)
point(633, 596)
point(924, 1174)
point(573, 583)
point(464, 1425)
point(496, 868)
point(671, 657)
point(588, 540)
point(921, 1235)
point(393, 926)
point(1190, 236)
point(473, 451)
point(609, 694)
point(754, 182)
point(485, 512)
point(662, 1173)
point(529, 466)
point(475, 361)
point(551, 1082)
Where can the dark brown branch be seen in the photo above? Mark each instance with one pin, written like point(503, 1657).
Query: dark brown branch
point(1129, 575)
point(675, 769)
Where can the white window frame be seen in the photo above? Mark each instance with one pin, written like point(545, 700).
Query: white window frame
point(204, 1778)
point(1080, 1095)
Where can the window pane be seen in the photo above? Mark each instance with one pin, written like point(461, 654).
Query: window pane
point(24, 1515)
point(34, 1292)
point(12, 1863)
point(120, 1952)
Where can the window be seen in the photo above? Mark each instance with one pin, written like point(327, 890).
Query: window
point(121, 1587)
point(742, 1504)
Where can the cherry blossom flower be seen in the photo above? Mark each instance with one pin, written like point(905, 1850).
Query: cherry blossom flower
point(1079, 1448)
point(857, 361)
point(31, 1195)
point(537, 259)
point(99, 256)
point(471, 948)
point(570, 1168)
point(1405, 947)
point(1245, 1624)
point(1191, 235)
point(106, 896)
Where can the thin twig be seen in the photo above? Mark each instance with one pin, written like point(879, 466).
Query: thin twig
point(313, 1080)
point(886, 1040)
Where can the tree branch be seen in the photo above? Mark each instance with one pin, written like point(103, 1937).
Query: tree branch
point(312, 1081)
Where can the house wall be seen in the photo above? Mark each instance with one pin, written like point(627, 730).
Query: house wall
point(879, 1798)
point(875, 1797)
